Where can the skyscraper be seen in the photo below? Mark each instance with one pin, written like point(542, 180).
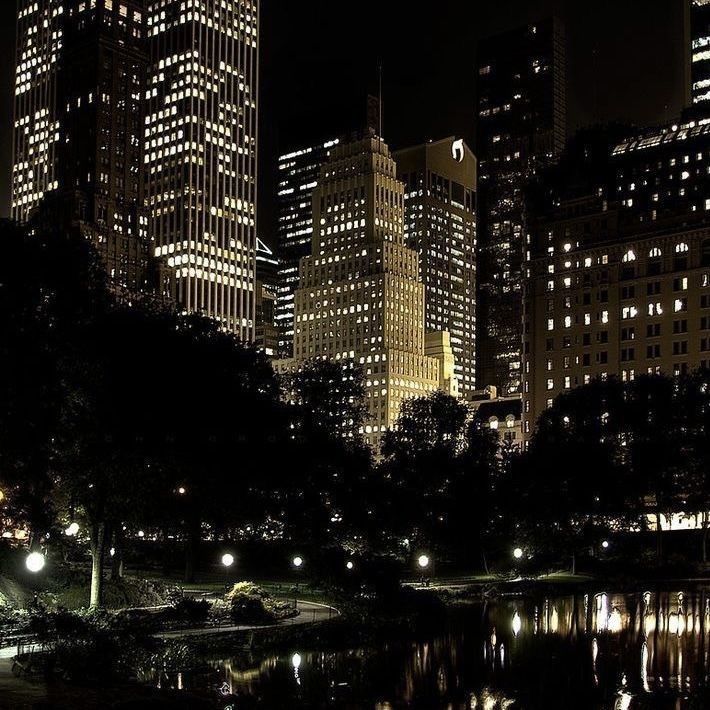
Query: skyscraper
point(440, 224)
point(79, 86)
point(521, 128)
point(201, 153)
point(298, 176)
point(700, 53)
point(360, 298)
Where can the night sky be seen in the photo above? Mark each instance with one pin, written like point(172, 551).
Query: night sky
point(320, 59)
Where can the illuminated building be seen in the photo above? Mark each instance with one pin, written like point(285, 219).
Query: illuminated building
point(78, 122)
point(440, 224)
point(700, 53)
point(500, 414)
point(298, 176)
point(521, 128)
point(267, 275)
point(619, 273)
point(360, 298)
point(200, 140)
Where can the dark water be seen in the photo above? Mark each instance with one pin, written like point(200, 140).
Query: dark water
point(596, 650)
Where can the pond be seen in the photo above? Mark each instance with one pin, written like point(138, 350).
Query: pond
point(591, 650)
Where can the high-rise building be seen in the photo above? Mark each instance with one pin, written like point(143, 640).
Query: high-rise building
point(440, 224)
point(700, 54)
point(201, 153)
point(299, 171)
point(79, 84)
point(360, 298)
point(267, 266)
point(619, 273)
point(521, 128)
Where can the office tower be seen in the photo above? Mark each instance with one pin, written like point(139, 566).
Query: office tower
point(619, 275)
point(267, 266)
point(700, 54)
point(201, 153)
point(298, 176)
point(360, 298)
point(78, 124)
point(440, 224)
point(521, 128)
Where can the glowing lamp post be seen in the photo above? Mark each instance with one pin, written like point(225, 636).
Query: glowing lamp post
point(297, 563)
point(350, 565)
point(72, 530)
point(424, 563)
point(227, 562)
point(518, 553)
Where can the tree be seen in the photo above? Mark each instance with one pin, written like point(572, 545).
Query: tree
point(326, 463)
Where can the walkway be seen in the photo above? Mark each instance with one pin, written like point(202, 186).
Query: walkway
point(310, 613)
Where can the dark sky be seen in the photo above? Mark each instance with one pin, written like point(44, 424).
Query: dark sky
point(320, 58)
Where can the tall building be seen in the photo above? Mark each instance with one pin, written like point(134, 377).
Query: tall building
point(700, 54)
point(440, 224)
point(79, 84)
point(201, 153)
point(298, 176)
point(619, 274)
point(521, 129)
point(267, 266)
point(360, 298)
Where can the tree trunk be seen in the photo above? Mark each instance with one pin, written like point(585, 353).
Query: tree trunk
point(98, 535)
point(574, 563)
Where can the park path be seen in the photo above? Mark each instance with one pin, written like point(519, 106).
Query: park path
point(310, 613)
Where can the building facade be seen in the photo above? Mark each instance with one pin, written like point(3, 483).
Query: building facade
point(200, 141)
point(619, 278)
point(267, 265)
point(298, 171)
point(360, 298)
point(700, 54)
point(440, 224)
point(521, 129)
point(80, 79)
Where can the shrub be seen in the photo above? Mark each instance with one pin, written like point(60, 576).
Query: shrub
point(248, 603)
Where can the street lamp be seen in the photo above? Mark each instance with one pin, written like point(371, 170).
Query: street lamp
point(298, 562)
point(72, 530)
point(35, 562)
point(605, 544)
point(518, 553)
point(350, 565)
point(423, 561)
point(227, 562)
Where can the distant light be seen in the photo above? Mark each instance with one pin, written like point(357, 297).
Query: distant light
point(182, 490)
point(227, 559)
point(298, 562)
point(517, 623)
point(605, 544)
point(35, 562)
point(423, 561)
point(518, 553)
point(112, 552)
point(350, 565)
point(72, 530)
point(141, 533)
point(296, 660)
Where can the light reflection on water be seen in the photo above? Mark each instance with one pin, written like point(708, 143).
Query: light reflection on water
point(599, 650)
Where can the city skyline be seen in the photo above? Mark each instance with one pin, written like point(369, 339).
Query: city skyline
point(626, 44)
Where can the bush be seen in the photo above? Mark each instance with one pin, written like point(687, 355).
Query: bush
point(247, 603)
